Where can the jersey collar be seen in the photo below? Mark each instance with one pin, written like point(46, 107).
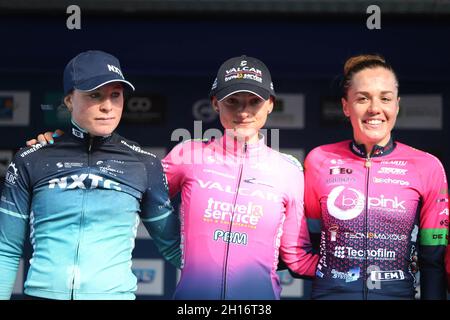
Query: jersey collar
point(378, 151)
point(81, 134)
point(236, 148)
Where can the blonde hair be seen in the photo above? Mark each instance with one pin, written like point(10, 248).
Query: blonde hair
point(360, 62)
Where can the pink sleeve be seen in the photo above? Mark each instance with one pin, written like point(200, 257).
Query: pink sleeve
point(175, 164)
point(312, 201)
point(434, 209)
point(295, 246)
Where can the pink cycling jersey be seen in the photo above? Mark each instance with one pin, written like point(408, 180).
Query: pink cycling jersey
point(242, 206)
point(376, 212)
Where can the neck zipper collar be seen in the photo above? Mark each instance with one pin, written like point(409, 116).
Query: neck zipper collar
point(237, 148)
point(377, 151)
point(82, 135)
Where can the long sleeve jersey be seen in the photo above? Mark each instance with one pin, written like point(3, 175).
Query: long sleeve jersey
point(83, 199)
point(242, 205)
point(376, 211)
point(447, 265)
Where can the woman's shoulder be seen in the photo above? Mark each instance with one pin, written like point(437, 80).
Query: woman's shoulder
point(329, 150)
point(290, 160)
point(416, 156)
point(133, 147)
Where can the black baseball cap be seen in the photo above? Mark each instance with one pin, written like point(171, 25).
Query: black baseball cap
point(92, 69)
point(243, 74)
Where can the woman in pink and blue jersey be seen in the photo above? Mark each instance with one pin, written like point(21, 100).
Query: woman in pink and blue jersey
point(379, 200)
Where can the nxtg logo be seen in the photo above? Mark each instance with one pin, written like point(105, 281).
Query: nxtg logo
point(11, 177)
point(115, 70)
point(243, 63)
point(83, 181)
point(144, 275)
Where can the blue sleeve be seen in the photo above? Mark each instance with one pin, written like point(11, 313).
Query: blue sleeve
point(14, 215)
point(159, 217)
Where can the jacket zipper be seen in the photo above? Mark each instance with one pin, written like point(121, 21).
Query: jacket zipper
point(367, 165)
point(75, 273)
point(225, 265)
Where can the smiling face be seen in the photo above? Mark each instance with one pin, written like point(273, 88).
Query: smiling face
point(372, 104)
point(97, 111)
point(243, 114)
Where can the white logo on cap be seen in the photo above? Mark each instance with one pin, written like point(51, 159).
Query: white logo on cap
point(115, 69)
point(243, 63)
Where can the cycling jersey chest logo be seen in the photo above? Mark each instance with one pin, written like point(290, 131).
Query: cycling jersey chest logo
point(262, 194)
point(347, 205)
point(351, 206)
point(83, 181)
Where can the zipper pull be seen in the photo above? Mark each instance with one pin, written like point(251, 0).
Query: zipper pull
point(91, 140)
point(368, 163)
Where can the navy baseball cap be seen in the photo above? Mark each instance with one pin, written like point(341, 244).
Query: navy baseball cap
point(92, 69)
point(243, 74)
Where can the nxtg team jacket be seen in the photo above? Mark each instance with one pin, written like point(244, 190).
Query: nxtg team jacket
point(82, 199)
point(241, 206)
point(376, 212)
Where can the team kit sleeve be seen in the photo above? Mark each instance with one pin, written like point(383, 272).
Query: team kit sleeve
point(14, 217)
point(312, 201)
point(447, 266)
point(433, 232)
point(159, 217)
point(175, 164)
point(295, 245)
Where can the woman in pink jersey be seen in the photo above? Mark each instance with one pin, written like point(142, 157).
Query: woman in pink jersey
point(379, 201)
point(242, 202)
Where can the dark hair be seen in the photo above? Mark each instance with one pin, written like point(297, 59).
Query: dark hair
point(360, 62)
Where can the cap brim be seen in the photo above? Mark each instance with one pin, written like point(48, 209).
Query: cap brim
point(96, 83)
point(242, 87)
